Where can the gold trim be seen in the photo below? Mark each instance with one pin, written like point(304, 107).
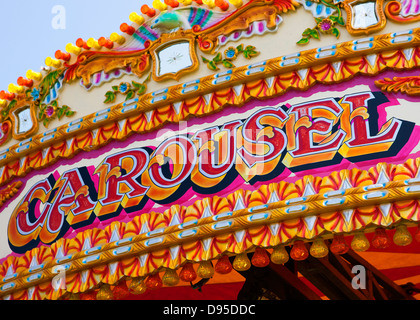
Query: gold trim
point(15, 122)
point(169, 39)
point(371, 29)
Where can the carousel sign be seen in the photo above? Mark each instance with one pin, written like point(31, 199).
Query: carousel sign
point(298, 137)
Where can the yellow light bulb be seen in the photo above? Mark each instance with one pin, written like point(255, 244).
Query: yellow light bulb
point(51, 62)
point(15, 88)
point(93, 43)
point(402, 236)
point(71, 48)
point(158, 5)
point(170, 278)
point(37, 76)
point(318, 249)
point(205, 270)
point(359, 242)
point(279, 255)
point(104, 293)
point(185, 2)
point(137, 286)
point(115, 37)
point(136, 18)
point(236, 3)
point(209, 3)
point(241, 262)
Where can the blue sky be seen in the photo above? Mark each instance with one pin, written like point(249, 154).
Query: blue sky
point(28, 36)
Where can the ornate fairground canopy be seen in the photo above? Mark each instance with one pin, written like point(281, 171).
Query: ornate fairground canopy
point(219, 149)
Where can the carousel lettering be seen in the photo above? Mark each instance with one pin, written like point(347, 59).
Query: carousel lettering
point(299, 137)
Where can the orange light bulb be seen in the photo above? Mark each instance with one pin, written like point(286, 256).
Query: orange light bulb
point(120, 291)
point(380, 239)
point(260, 258)
point(145, 9)
point(90, 295)
point(188, 273)
point(154, 281)
point(223, 265)
point(339, 245)
point(127, 29)
point(299, 251)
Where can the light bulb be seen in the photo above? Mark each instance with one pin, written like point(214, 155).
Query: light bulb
point(205, 270)
point(299, 251)
point(104, 293)
point(318, 249)
point(188, 273)
point(360, 243)
point(170, 277)
point(223, 265)
point(279, 255)
point(380, 239)
point(402, 237)
point(339, 245)
point(120, 291)
point(260, 258)
point(137, 285)
point(154, 281)
point(241, 262)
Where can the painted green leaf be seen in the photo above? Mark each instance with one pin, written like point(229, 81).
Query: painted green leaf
point(333, 18)
point(115, 88)
point(340, 20)
point(136, 84)
point(130, 94)
point(110, 97)
point(5, 111)
point(250, 52)
point(228, 64)
point(307, 32)
point(70, 113)
point(60, 113)
point(205, 60)
point(218, 57)
point(336, 32)
point(46, 122)
point(240, 48)
point(142, 89)
point(48, 81)
point(315, 34)
point(303, 41)
point(212, 66)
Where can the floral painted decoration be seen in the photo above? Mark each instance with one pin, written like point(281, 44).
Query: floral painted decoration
point(324, 25)
point(230, 54)
point(49, 112)
point(127, 89)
